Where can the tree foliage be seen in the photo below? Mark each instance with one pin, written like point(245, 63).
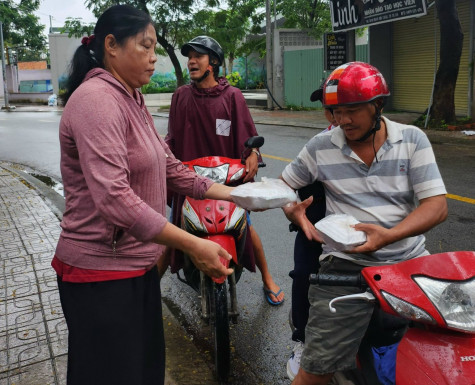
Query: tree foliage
point(22, 32)
point(75, 27)
point(171, 21)
point(230, 26)
point(310, 15)
point(178, 21)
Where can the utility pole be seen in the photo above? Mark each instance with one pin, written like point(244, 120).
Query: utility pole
point(269, 53)
point(5, 89)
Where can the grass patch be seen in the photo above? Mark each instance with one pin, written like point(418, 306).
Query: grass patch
point(293, 107)
point(442, 125)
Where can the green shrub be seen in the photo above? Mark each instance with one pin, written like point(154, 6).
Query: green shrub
point(234, 78)
point(160, 83)
point(154, 89)
point(420, 121)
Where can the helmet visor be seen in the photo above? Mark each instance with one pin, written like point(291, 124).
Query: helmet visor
point(185, 50)
point(317, 95)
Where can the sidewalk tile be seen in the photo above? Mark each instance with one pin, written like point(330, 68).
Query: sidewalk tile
point(33, 332)
point(37, 374)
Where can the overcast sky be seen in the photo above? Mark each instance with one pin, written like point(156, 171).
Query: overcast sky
point(60, 10)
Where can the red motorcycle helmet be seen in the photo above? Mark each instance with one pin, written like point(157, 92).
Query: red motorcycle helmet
point(354, 83)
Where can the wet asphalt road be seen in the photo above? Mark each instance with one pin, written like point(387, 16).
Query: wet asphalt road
point(261, 340)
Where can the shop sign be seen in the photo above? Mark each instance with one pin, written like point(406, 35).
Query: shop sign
point(350, 14)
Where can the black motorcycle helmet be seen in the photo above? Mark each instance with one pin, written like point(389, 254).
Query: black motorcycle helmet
point(204, 45)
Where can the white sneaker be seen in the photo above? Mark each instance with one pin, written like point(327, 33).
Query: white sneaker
point(293, 364)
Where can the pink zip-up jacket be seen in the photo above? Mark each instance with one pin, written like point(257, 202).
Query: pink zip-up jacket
point(115, 170)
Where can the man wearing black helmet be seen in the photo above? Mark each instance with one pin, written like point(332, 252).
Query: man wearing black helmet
point(209, 117)
point(206, 58)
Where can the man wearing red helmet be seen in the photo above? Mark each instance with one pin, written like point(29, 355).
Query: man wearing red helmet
point(382, 173)
point(209, 117)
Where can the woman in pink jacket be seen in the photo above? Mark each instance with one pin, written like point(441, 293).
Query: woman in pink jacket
point(116, 170)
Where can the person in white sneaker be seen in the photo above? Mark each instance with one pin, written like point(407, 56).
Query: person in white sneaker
point(306, 255)
point(293, 364)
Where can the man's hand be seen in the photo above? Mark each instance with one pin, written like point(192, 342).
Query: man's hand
point(252, 163)
point(296, 214)
point(376, 238)
point(430, 212)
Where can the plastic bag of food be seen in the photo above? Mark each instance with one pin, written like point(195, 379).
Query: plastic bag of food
point(270, 193)
point(338, 232)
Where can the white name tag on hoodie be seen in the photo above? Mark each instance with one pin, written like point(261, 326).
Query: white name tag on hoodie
point(223, 127)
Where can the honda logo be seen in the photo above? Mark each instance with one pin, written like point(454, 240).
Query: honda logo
point(467, 358)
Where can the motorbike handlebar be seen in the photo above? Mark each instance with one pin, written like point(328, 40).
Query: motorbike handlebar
point(293, 227)
point(353, 280)
point(259, 165)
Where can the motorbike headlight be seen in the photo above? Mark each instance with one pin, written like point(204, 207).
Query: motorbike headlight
point(237, 175)
point(217, 174)
point(455, 301)
point(407, 310)
point(191, 221)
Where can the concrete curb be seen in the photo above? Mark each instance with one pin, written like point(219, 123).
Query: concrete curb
point(54, 200)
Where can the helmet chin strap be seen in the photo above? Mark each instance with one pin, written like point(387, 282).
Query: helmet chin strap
point(372, 131)
point(376, 127)
point(205, 75)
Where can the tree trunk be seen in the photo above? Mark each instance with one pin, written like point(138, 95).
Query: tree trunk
point(231, 62)
point(171, 54)
point(161, 39)
point(225, 68)
point(451, 40)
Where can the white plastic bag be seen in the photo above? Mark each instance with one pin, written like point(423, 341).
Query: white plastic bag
point(338, 232)
point(270, 193)
point(53, 100)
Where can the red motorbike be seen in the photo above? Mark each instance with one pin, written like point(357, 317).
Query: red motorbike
point(425, 311)
point(226, 224)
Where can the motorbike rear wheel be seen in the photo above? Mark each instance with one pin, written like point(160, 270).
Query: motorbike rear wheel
point(218, 304)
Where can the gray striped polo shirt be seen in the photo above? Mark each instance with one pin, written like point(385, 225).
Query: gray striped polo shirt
point(384, 193)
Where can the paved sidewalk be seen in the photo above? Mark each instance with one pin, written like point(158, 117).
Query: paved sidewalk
point(33, 332)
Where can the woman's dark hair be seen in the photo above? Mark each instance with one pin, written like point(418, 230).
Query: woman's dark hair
point(122, 21)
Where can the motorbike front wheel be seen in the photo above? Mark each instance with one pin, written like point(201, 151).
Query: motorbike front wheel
point(218, 304)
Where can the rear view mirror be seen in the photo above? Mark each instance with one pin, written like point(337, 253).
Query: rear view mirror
point(254, 142)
